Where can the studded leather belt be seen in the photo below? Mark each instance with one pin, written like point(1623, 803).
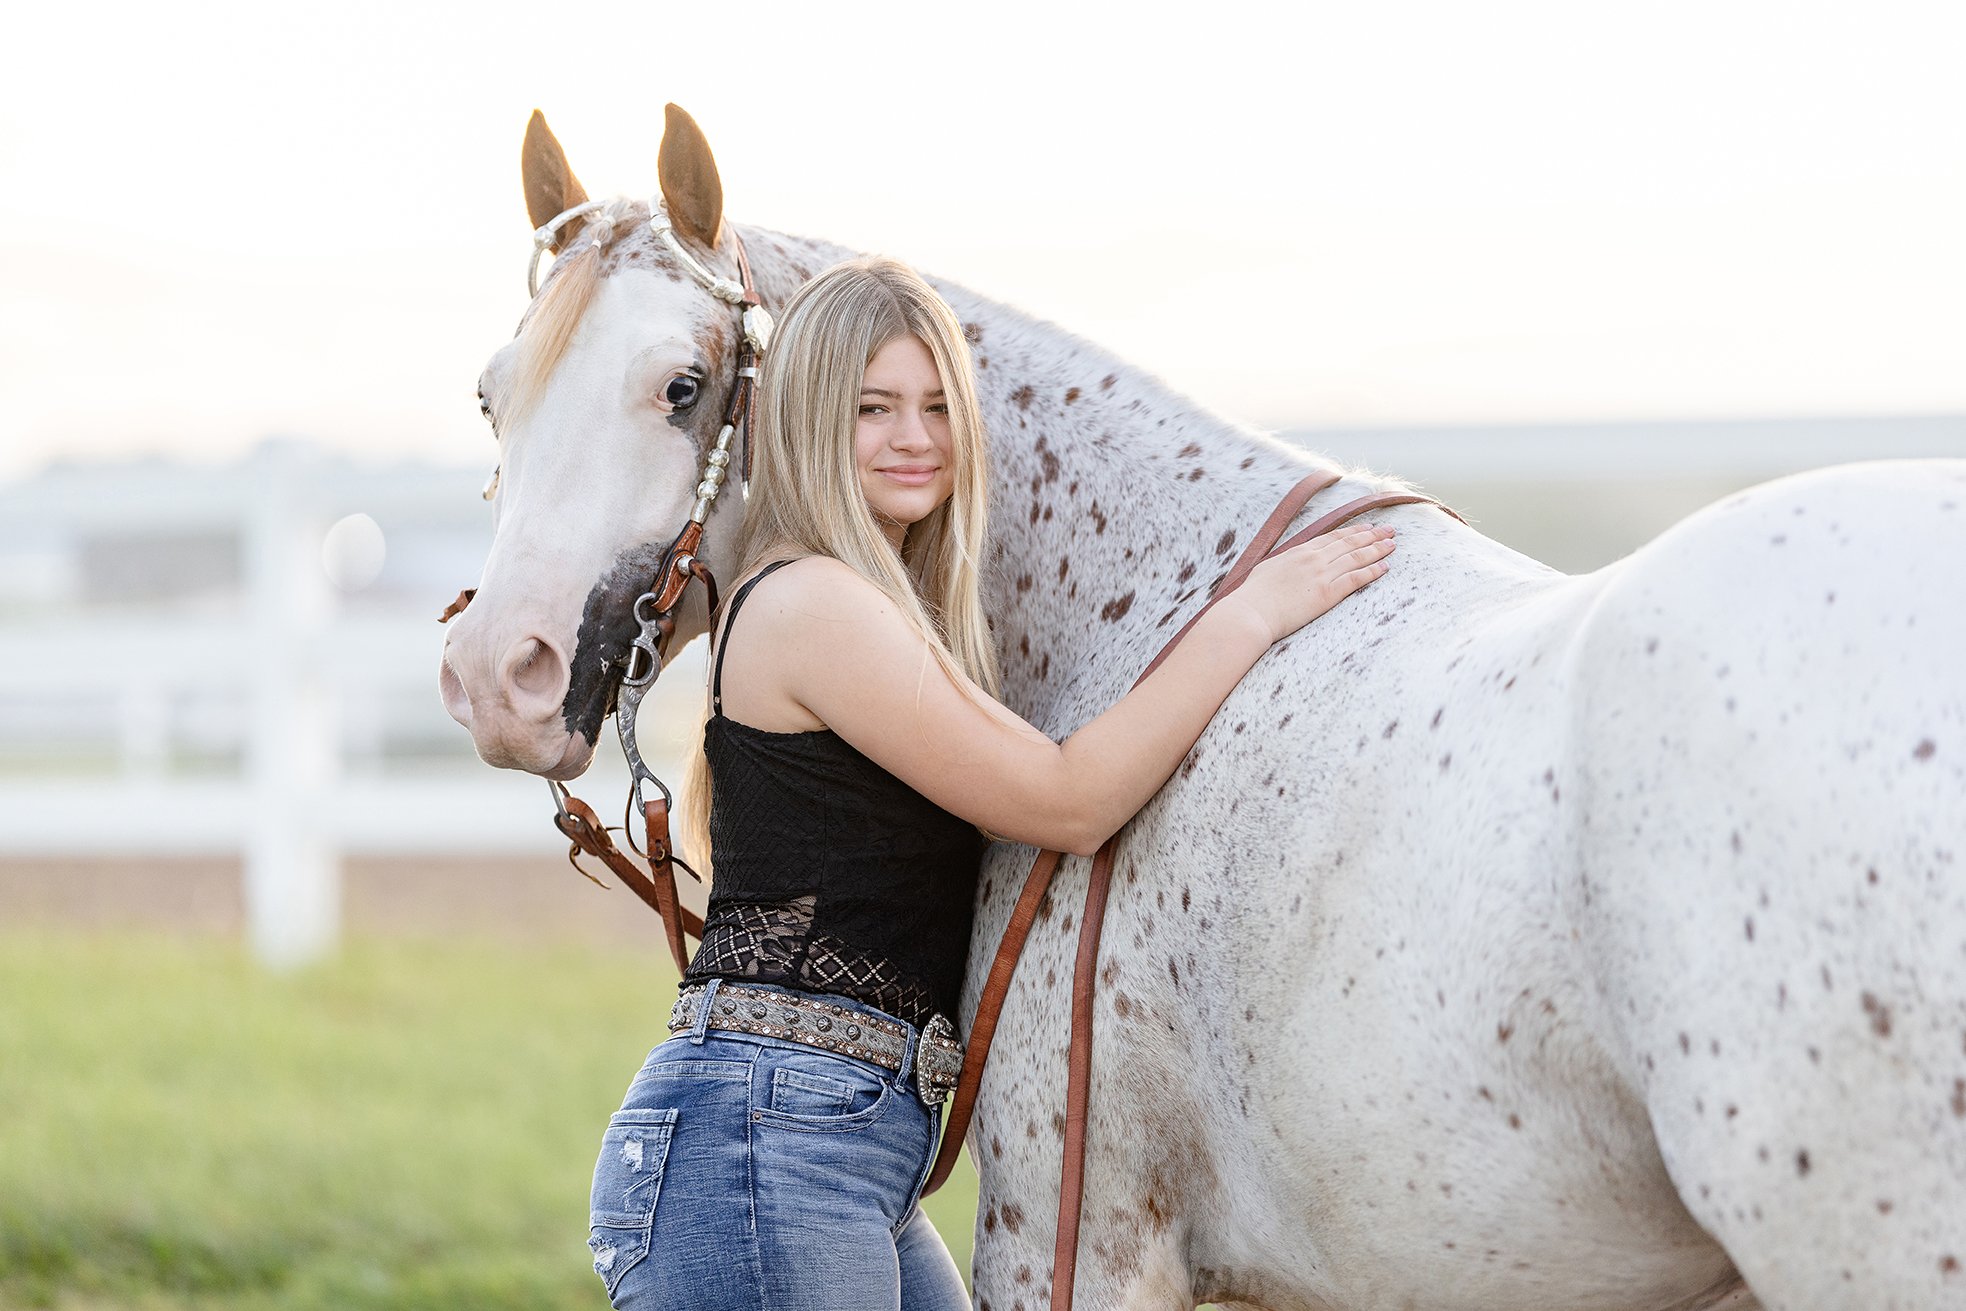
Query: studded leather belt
point(938, 1062)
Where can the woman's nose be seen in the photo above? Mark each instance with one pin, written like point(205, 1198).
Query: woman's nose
point(912, 433)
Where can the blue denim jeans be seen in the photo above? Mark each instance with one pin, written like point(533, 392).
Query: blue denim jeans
point(745, 1173)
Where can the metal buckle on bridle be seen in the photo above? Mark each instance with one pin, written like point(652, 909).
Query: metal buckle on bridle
point(639, 668)
point(567, 822)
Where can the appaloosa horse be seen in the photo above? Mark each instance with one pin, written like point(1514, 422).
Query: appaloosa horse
point(1510, 940)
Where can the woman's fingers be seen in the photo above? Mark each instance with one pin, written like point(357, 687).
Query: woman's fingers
point(1350, 550)
point(1298, 585)
point(1365, 564)
point(1354, 532)
point(1340, 540)
point(1359, 577)
point(1370, 551)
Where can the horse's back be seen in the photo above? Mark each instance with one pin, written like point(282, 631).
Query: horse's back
point(1772, 711)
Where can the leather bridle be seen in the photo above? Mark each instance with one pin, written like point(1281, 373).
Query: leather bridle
point(655, 615)
point(655, 609)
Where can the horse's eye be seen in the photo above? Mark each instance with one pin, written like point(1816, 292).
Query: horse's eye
point(681, 391)
point(484, 408)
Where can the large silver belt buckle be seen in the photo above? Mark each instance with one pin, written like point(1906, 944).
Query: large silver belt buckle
point(680, 1015)
point(938, 1060)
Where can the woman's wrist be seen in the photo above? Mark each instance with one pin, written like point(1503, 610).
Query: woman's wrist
point(1236, 618)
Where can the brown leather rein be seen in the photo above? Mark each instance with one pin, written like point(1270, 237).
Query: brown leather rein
point(655, 611)
point(996, 985)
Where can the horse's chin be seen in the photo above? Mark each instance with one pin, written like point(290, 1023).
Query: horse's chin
point(562, 760)
point(579, 755)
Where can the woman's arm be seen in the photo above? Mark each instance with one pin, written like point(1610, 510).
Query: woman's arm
point(848, 656)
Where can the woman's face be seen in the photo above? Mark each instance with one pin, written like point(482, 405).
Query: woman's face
point(901, 437)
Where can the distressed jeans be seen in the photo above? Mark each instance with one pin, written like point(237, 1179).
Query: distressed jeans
point(746, 1173)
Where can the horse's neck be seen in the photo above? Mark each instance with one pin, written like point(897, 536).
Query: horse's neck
point(1116, 504)
point(781, 264)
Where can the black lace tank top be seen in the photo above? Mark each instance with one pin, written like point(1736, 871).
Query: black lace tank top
point(831, 874)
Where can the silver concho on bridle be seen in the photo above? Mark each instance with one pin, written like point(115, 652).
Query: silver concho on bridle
point(755, 323)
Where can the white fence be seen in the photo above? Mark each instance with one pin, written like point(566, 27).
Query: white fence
point(179, 676)
point(163, 696)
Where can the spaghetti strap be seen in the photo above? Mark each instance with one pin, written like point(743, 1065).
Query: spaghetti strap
point(717, 678)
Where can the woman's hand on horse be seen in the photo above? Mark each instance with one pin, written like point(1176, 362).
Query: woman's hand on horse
point(1293, 587)
point(818, 636)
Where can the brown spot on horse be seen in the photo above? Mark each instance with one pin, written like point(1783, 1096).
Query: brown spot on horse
point(1880, 1015)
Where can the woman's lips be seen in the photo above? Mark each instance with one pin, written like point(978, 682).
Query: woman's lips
point(910, 477)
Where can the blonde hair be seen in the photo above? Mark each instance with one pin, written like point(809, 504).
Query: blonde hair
point(556, 313)
point(806, 497)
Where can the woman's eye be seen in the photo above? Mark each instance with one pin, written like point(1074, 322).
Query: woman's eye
point(873, 409)
point(681, 391)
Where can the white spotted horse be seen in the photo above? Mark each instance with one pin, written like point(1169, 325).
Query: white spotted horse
point(1510, 940)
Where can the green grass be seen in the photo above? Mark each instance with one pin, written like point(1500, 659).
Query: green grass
point(411, 1126)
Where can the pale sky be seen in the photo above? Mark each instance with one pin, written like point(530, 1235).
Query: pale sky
point(221, 221)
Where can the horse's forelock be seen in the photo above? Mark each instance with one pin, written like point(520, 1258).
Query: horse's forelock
point(550, 322)
point(549, 327)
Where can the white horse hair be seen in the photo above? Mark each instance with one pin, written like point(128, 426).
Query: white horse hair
point(1510, 940)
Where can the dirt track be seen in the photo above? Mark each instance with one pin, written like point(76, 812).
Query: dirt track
point(529, 899)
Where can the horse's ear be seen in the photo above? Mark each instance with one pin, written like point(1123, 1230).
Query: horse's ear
point(691, 189)
point(551, 187)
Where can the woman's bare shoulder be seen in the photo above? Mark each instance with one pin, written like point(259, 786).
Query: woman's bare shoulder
point(823, 625)
point(813, 590)
point(788, 628)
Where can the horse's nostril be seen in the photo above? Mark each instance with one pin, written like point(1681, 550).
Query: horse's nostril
point(534, 673)
point(456, 700)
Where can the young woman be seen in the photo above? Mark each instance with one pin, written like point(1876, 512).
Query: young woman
point(770, 1154)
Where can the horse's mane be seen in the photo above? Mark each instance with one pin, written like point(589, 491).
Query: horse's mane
point(555, 314)
point(548, 328)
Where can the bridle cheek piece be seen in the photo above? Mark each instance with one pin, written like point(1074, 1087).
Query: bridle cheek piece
point(655, 609)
